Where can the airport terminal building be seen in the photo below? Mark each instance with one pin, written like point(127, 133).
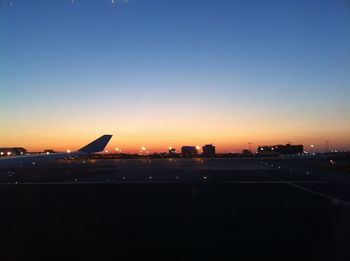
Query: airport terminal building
point(189, 151)
point(287, 149)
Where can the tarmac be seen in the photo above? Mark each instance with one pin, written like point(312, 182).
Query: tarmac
point(174, 209)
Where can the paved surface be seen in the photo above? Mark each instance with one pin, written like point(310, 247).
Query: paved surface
point(214, 210)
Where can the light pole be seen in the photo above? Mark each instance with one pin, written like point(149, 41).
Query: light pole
point(312, 149)
point(327, 146)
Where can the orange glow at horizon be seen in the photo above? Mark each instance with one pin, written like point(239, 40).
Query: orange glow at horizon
point(158, 129)
point(226, 139)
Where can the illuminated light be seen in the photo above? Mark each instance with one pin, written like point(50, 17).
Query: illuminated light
point(47, 152)
point(198, 147)
point(106, 151)
point(117, 149)
point(143, 148)
point(170, 148)
point(312, 146)
point(68, 151)
point(8, 153)
point(1, 153)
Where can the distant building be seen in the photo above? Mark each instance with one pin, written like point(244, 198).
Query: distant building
point(247, 152)
point(12, 151)
point(189, 151)
point(49, 151)
point(172, 151)
point(209, 150)
point(287, 149)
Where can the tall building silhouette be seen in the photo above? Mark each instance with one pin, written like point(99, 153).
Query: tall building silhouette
point(208, 150)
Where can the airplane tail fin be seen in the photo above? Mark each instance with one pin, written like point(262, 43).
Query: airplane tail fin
point(97, 145)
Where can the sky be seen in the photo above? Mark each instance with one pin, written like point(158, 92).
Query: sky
point(160, 73)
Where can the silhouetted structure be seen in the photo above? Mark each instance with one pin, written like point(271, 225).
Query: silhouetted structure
point(49, 151)
point(287, 149)
point(172, 151)
point(209, 150)
point(189, 151)
point(12, 151)
point(247, 152)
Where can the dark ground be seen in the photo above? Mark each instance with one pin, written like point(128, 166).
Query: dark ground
point(215, 210)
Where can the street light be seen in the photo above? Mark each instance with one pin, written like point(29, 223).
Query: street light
point(312, 149)
point(327, 146)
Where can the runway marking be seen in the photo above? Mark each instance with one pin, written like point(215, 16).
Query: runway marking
point(290, 183)
point(320, 194)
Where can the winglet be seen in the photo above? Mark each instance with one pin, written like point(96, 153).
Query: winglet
point(96, 145)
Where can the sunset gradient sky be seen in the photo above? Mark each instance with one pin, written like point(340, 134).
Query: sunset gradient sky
point(159, 73)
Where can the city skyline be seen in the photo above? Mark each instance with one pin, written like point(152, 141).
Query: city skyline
point(115, 147)
point(172, 73)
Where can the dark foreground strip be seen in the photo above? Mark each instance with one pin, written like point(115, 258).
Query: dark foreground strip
point(160, 182)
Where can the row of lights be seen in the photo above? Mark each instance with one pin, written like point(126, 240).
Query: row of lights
point(204, 178)
point(142, 150)
point(106, 151)
point(272, 166)
point(7, 153)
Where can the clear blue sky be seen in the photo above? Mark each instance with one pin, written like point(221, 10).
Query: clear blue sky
point(234, 64)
